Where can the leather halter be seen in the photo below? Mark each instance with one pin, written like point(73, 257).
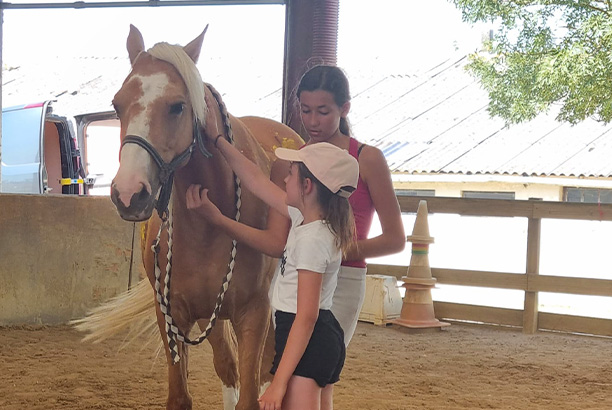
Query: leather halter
point(166, 169)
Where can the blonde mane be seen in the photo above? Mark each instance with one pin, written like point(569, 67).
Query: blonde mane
point(187, 69)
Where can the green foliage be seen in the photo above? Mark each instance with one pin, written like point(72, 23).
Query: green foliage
point(543, 54)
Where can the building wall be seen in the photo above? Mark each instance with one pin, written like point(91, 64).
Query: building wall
point(61, 255)
point(522, 191)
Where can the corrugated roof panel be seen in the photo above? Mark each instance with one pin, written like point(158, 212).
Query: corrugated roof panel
point(453, 133)
point(594, 157)
point(430, 126)
point(550, 151)
point(493, 155)
point(451, 144)
point(392, 113)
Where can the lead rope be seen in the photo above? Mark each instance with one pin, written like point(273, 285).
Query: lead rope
point(173, 333)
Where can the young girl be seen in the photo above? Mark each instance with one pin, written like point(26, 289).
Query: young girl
point(309, 341)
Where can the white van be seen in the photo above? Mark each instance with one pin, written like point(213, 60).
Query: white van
point(42, 154)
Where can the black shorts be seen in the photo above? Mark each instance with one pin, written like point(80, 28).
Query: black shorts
point(324, 356)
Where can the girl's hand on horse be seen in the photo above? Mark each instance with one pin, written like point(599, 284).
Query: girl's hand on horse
point(272, 397)
point(197, 200)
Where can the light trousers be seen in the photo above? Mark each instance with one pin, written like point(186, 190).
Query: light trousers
point(348, 299)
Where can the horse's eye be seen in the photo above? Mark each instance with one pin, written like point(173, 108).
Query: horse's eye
point(177, 108)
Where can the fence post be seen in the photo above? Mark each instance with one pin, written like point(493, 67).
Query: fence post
point(530, 309)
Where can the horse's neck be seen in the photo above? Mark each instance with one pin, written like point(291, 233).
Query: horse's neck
point(211, 173)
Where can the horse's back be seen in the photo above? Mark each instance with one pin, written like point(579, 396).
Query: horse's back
point(272, 134)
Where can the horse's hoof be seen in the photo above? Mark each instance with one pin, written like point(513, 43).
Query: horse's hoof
point(182, 404)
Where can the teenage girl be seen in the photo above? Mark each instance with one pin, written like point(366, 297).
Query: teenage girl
point(309, 341)
point(324, 98)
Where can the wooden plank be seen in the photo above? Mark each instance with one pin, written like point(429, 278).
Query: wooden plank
point(467, 206)
point(531, 302)
point(485, 279)
point(474, 313)
point(570, 210)
point(509, 208)
point(460, 277)
point(576, 324)
point(389, 270)
point(576, 286)
point(503, 280)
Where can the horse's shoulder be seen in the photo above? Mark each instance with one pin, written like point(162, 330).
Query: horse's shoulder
point(271, 134)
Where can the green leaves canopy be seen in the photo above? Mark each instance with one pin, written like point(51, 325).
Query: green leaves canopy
point(545, 53)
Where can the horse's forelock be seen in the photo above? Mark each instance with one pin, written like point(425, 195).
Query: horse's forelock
point(187, 69)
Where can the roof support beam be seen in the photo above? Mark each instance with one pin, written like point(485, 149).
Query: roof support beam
point(311, 38)
point(147, 3)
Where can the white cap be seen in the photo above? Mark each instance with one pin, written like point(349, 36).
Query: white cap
point(332, 166)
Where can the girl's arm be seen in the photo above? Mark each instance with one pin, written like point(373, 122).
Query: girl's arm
point(375, 172)
point(309, 293)
point(252, 178)
point(270, 240)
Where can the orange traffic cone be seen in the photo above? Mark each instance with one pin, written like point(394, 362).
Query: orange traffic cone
point(417, 308)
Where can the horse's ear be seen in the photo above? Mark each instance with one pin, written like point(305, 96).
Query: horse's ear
point(135, 43)
point(193, 49)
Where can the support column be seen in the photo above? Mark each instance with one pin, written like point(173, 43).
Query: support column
point(311, 38)
point(1, 81)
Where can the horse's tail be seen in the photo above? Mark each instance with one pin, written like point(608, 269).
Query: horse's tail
point(131, 313)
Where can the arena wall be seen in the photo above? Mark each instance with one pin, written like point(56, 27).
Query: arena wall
point(62, 255)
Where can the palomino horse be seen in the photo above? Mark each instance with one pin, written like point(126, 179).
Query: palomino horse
point(168, 117)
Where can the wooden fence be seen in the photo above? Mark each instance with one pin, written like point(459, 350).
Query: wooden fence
point(531, 282)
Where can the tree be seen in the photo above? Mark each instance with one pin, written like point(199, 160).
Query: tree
point(545, 54)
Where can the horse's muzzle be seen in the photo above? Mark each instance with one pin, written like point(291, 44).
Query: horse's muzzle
point(141, 205)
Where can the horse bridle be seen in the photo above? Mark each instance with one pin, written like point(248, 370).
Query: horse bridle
point(166, 169)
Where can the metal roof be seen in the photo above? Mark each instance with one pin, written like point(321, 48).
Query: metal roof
point(438, 123)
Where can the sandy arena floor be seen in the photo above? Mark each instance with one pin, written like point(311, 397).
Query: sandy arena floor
point(462, 367)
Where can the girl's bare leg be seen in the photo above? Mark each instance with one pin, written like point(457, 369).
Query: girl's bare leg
point(327, 397)
point(302, 394)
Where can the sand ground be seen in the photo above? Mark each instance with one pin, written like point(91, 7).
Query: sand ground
point(464, 366)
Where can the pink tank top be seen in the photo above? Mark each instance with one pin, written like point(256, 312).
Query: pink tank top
point(363, 207)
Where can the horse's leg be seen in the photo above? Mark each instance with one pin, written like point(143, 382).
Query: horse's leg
point(266, 361)
point(223, 342)
point(178, 393)
point(251, 326)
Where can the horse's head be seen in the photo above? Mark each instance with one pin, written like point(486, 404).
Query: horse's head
point(160, 104)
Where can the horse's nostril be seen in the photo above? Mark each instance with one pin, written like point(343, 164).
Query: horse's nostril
point(143, 195)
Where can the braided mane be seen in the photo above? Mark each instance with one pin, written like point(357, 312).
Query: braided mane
point(187, 69)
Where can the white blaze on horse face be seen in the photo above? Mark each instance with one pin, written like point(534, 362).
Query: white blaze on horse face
point(153, 88)
point(132, 177)
point(137, 168)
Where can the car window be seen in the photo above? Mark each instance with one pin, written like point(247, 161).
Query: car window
point(21, 135)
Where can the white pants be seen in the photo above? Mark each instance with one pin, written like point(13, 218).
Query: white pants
point(348, 299)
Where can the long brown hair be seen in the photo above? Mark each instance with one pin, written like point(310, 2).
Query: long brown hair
point(337, 211)
point(333, 80)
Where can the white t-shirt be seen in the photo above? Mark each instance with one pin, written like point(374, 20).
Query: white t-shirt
point(310, 247)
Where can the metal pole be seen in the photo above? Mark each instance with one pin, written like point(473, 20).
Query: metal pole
point(146, 3)
point(1, 82)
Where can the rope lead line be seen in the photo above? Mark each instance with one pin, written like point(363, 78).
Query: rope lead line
point(173, 333)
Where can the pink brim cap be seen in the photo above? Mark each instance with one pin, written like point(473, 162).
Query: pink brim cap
point(334, 167)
